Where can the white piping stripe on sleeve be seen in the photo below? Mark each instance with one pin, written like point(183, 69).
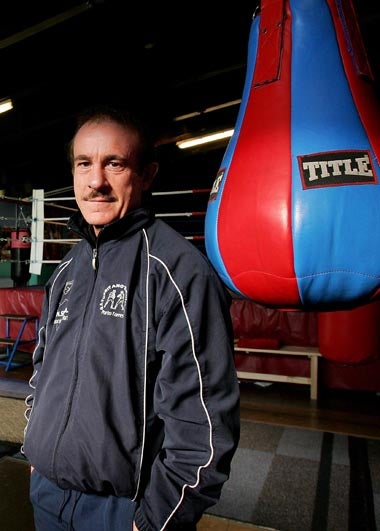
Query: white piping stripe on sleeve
point(145, 362)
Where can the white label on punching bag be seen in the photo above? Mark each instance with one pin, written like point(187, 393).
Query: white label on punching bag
point(336, 168)
point(216, 185)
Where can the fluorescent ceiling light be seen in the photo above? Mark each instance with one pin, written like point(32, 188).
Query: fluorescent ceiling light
point(206, 111)
point(184, 144)
point(6, 105)
point(45, 24)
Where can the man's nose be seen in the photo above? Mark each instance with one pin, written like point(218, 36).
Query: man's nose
point(97, 177)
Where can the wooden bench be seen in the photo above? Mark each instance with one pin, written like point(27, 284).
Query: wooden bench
point(307, 352)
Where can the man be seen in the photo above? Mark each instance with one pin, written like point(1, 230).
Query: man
point(134, 415)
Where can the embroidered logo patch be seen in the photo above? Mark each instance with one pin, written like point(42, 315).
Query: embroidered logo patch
point(62, 313)
point(68, 286)
point(114, 301)
point(336, 168)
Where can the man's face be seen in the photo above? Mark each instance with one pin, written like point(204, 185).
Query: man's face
point(107, 180)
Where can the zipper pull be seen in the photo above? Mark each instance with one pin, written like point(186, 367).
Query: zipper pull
point(94, 256)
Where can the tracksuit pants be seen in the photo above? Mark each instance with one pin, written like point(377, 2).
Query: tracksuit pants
point(56, 509)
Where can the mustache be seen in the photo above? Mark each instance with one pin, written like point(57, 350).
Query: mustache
point(96, 194)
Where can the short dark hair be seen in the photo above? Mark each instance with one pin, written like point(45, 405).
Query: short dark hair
point(123, 117)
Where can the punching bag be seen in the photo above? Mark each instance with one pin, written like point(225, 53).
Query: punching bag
point(293, 218)
point(20, 256)
point(350, 336)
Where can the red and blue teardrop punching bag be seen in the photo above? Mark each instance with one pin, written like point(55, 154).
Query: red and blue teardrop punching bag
point(293, 219)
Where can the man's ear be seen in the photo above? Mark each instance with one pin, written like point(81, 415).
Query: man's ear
point(149, 173)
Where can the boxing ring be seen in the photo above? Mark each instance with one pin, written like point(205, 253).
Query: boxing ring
point(260, 332)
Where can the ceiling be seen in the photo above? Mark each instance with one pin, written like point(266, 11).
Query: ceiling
point(166, 60)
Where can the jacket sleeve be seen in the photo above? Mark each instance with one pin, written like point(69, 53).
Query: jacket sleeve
point(197, 399)
point(37, 356)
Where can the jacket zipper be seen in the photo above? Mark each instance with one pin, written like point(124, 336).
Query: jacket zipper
point(95, 253)
point(94, 257)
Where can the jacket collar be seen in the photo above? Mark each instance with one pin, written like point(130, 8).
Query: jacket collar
point(130, 223)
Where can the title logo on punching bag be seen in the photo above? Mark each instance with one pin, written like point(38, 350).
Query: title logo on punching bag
point(336, 168)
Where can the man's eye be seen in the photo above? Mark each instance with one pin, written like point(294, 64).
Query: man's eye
point(116, 166)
